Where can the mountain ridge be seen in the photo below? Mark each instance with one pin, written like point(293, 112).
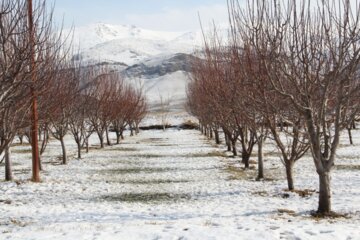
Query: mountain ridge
point(160, 61)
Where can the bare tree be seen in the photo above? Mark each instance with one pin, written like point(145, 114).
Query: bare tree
point(312, 56)
point(164, 110)
point(17, 55)
point(102, 93)
point(79, 125)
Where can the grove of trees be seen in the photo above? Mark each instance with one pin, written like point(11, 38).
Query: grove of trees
point(289, 71)
point(36, 63)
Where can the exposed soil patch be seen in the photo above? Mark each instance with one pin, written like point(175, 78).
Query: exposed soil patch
point(147, 197)
point(302, 192)
point(241, 173)
point(121, 149)
point(237, 173)
point(21, 150)
point(133, 170)
point(287, 211)
point(260, 193)
point(151, 181)
point(332, 215)
point(347, 167)
point(210, 154)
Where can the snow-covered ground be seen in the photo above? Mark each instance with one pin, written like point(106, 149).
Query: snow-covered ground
point(173, 185)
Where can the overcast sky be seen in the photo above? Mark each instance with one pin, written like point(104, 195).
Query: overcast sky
point(168, 15)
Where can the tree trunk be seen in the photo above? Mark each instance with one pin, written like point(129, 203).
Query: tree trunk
point(28, 137)
point(64, 157)
point(260, 159)
point(8, 164)
point(324, 193)
point(234, 150)
point(245, 159)
point(289, 164)
point(122, 135)
point(118, 136)
point(228, 143)
point(79, 149)
point(40, 135)
point(21, 139)
point(281, 125)
point(44, 142)
point(101, 139)
point(40, 164)
point(211, 133)
point(217, 137)
point(107, 137)
point(137, 129)
point(350, 136)
point(87, 145)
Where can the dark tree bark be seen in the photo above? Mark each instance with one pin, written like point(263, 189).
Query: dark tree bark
point(350, 136)
point(107, 137)
point(245, 159)
point(137, 128)
point(87, 145)
point(45, 141)
point(233, 145)
point(40, 164)
point(8, 164)
point(63, 148)
point(101, 139)
point(260, 158)
point(118, 136)
point(21, 139)
point(122, 135)
point(217, 137)
point(228, 143)
point(132, 130)
point(78, 150)
point(324, 193)
point(289, 174)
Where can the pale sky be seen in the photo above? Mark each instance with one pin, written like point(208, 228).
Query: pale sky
point(167, 15)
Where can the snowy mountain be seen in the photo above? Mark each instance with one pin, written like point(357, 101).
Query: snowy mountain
point(161, 66)
point(129, 44)
point(159, 61)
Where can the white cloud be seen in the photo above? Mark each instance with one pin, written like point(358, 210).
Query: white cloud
point(180, 19)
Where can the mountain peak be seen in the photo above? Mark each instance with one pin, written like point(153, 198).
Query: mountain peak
point(130, 44)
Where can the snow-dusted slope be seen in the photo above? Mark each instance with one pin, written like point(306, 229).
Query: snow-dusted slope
point(99, 33)
point(130, 44)
point(170, 88)
point(159, 60)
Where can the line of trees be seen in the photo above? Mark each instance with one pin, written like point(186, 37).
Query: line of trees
point(289, 71)
point(21, 48)
point(72, 98)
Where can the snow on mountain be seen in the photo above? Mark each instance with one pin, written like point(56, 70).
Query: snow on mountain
point(130, 44)
point(97, 33)
point(170, 87)
point(161, 61)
